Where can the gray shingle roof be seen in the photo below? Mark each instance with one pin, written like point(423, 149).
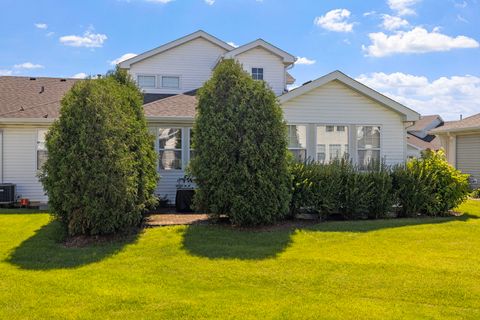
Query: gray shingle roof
point(472, 122)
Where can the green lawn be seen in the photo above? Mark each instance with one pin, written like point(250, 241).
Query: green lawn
point(403, 269)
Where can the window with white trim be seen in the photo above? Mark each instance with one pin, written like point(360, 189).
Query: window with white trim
point(170, 148)
point(297, 141)
point(368, 145)
point(145, 81)
point(171, 82)
point(42, 153)
point(257, 73)
point(331, 144)
point(191, 150)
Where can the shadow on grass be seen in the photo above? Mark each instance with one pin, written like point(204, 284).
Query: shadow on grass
point(219, 242)
point(45, 250)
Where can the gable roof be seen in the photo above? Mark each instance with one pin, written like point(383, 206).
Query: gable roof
point(32, 97)
point(467, 124)
point(286, 57)
point(409, 114)
point(176, 43)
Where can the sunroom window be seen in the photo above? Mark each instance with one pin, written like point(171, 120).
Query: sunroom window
point(170, 148)
point(368, 145)
point(297, 141)
point(42, 153)
point(331, 144)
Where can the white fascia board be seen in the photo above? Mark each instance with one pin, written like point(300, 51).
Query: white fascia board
point(198, 34)
point(409, 114)
point(287, 57)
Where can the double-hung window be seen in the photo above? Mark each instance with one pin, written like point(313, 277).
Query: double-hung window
point(331, 144)
point(257, 73)
point(145, 81)
point(170, 148)
point(297, 141)
point(368, 145)
point(42, 153)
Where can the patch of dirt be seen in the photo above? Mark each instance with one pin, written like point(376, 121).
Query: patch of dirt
point(86, 241)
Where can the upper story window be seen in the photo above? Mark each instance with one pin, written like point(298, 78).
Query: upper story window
point(257, 73)
point(146, 81)
point(171, 82)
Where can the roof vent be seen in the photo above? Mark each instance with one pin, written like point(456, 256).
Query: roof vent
point(22, 109)
point(63, 80)
point(45, 116)
point(32, 78)
point(307, 82)
point(42, 89)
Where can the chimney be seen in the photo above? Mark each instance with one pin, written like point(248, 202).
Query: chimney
point(461, 116)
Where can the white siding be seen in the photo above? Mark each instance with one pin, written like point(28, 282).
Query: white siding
point(468, 155)
point(192, 61)
point(335, 103)
point(273, 68)
point(19, 162)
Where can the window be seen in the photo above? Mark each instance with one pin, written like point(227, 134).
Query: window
point(170, 82)
point(146, 81)
point(368, 145)
point(257, 73)
point(331, 145)
point(340, 128)
point(42, 153)
point(170, 148)
point(192, 151)
point(297, 141)
point(321, 153)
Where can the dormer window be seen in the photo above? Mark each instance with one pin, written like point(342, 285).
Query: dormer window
point(171, 82)
point(257, 73)
point(146, 81)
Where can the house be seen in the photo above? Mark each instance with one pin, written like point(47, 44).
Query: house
point(461, 141)
point(419, 138)
point(327, 118)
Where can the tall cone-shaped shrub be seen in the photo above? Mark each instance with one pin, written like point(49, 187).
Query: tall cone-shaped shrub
point(101, 168)
point(240, 163)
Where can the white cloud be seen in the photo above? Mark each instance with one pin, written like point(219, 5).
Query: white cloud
point(369, 13)
point(233, 44)
point(28, 65)
point(304, 60)
point(210, 2)
point(335, 20)
point(124, 57)
point(49, 34)
point(160, 1)
point(41, 25)
point(403, 7)
point(447, 96)
point(4, 72)
point(80, 75)
point(417, 40)
point(88, 40)
point(393, 23)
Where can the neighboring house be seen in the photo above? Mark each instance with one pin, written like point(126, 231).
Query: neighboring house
point(327, 118)
point(419, 138)
point(461, 141)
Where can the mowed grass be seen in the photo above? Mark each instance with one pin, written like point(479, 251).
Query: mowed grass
point(425, 268)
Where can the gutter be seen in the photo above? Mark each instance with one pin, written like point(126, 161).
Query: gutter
point(453, 130)
point(27, 121)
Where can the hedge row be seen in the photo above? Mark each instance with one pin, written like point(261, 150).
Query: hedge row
point(428, 185)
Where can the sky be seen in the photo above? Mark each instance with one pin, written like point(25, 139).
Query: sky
point(422, 53)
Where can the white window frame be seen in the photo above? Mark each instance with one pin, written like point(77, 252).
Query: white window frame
point(306, 137)
point(147, 75)
point(379, 149)
point(37, 143)
point(160, 82)
point(263, 73)
point(348, 128)
point(181, 149)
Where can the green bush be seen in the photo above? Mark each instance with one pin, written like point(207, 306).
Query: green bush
point(429, 185)
point(240, 163)
point(475, 194)
point(101, 168)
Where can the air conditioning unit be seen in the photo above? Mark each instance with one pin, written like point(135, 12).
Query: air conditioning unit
point(7, 193)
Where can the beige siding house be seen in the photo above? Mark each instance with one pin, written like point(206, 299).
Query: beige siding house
point(327, 118)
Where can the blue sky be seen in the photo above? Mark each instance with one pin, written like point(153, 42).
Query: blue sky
point(423, 53)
